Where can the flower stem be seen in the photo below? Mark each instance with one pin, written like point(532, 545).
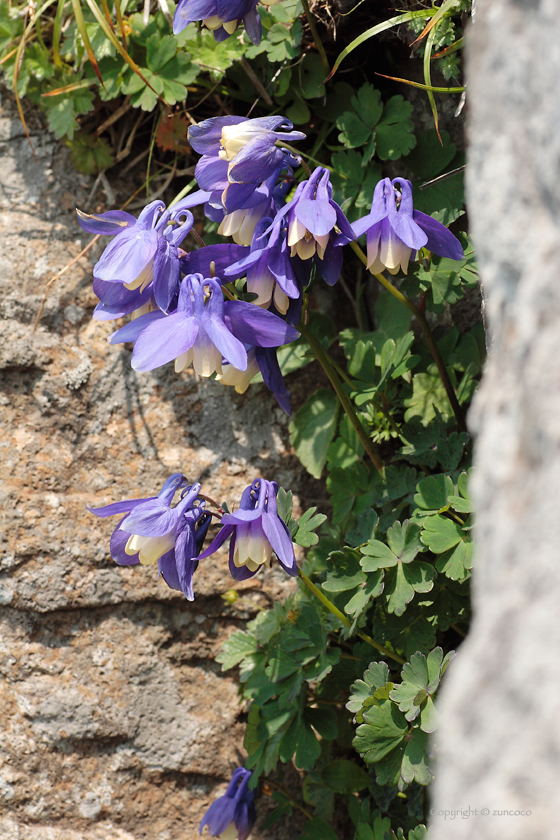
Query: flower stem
point(288, 796)
point(316, 38)
point(345, 620)
point(325, 362)
point(425, 327)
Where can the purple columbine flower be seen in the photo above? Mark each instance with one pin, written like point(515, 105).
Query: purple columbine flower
point(256, 531)
point(202, 331)
point(396, 231)
point(240, 160)
point(220, 16)
point(144, 253)
point(232, 815)
point(152, 531)
point(317, 227)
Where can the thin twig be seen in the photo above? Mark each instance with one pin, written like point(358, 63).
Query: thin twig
point(256, 81)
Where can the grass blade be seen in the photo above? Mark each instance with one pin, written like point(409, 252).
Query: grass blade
point(120, 21)
point(116, 43)
point(375, 30)
point(458, 89)
point(81, 24)
point(57, 28)
point(428, 78)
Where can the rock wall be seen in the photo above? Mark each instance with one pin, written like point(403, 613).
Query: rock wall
point(116, 722)
point(499, 740)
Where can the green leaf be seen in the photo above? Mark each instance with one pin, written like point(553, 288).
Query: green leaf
point(420, 681)
point(61, 117)
point(239, 645)
point(404, 545)
point(441, 533)
point(308, 523)
point(372, 588)
point(344, 571)
point(375, 677)
point(408, 633)
point(317, 829)
point(312, 76)
point(308, 747)
point(428, 397)
point(285, 501)
point(343, 776)
point(159, 51)
point(90, 154)
point(433, 492)
point(403, 581)
point(456, 563)
point(356, 126)
point(312, 429)
point(394, 133)
point(383, 729)
point(393, 319)
point(415, 759)
point(365, 529)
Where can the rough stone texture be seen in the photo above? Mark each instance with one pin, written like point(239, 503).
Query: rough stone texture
point(500, 741)
point(116, 721)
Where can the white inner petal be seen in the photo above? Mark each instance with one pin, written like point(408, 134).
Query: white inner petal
point(296, 231)
point(393, 252)
point(207, 359)
point(305, 248)
point(213, 22)
point(146, 276)
point(247, 226)
point(230, 26)
point(234, 137)
point(322, 242)
point(150, 548)
point(230, 833)
point(239, 379)
point(261, 286)
point(142, 310)
point(281, 300)
point(231, 222)
point(252, 549)
point(184, 360)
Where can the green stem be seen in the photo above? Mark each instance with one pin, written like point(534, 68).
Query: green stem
point(185, 191)
point(326, 363)
point(425, 327)
point(288, 796)
point(316, 38)
point(346, 621)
